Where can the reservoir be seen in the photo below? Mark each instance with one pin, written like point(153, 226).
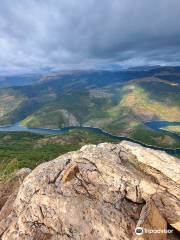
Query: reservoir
point(155, 125)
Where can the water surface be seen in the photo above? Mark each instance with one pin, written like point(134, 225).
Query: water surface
point(155, 125)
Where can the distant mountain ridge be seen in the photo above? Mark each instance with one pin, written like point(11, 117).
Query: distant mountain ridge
point(49, 74)
point(19, 80)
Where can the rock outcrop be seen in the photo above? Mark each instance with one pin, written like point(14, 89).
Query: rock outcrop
point(100, 192)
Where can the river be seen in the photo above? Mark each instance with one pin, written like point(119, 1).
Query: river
point(155, 125)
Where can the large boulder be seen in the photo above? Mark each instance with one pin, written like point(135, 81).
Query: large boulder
point(99, 192)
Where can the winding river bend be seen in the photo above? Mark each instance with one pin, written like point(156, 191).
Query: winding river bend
point(155, 125)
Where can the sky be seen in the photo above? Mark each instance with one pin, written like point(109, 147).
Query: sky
point(85, 34)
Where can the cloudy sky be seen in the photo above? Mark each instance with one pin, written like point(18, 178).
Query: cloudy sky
point(65, 34)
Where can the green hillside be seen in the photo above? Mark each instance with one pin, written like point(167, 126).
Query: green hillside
point(128, 106)
point(18, 150)
point(120, 107)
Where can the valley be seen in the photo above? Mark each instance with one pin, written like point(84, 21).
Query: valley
point(117, 102)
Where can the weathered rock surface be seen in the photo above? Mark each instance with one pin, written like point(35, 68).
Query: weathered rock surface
point(98, 193)
point(12, 185)
point(8, 194)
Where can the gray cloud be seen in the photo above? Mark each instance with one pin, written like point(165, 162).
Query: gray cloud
point(88, 33)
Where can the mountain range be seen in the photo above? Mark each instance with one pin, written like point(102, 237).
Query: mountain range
point(119, 102)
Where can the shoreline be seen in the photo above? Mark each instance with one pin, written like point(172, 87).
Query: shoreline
point(64, 130)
